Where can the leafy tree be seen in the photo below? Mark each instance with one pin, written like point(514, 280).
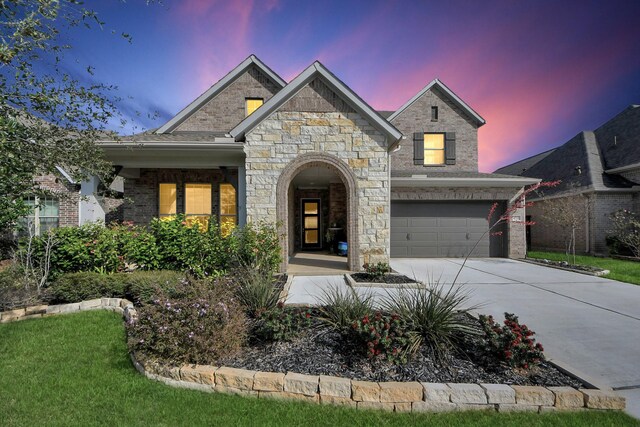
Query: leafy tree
point(48, 117)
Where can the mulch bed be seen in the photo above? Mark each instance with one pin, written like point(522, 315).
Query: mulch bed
point(321, 351)
point(564, 264)
point(395, 279)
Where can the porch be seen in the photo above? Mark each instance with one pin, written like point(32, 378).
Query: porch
point(317, 264)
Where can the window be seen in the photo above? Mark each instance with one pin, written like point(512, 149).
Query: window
point(228, 208)
point(197, 203)
point(433, 148)
point(45, 215)
point(167, 201)
point(252, 104)
point(434, 114)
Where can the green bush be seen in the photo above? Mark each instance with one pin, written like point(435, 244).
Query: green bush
point(171, 244)
point(199, 322)
point(139, 287)
point(377, 271)
point(339, 309)
point(437, 314)
point(281, 323)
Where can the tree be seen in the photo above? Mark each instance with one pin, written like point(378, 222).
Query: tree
point(48, 117)
point(625, 229)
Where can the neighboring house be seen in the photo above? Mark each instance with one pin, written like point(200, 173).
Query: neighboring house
point(315, 158)
point(599, 171)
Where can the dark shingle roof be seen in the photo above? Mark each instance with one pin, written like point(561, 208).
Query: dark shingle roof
point(619, 139)
point(577, 163)
point(167, 137)
point(519, 167)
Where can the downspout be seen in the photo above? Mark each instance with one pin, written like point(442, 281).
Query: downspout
point(587, 233)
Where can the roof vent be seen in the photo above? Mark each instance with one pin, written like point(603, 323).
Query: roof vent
point(579, 170)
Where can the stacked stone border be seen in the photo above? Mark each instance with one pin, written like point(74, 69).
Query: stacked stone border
point(322, 389)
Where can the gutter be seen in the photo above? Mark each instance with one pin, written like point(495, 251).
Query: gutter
point(419, 181)
point(623, 168)
point(172, 145)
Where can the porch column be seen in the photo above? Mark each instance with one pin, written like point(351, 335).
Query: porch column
point(242, 196)
point(90, 208)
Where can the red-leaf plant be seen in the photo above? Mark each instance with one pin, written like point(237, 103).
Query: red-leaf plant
point(519, 203)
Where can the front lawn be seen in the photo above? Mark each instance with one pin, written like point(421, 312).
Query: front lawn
point(624, 271)
point(75, 370)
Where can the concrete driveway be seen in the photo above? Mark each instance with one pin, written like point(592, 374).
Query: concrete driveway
point(587, 323)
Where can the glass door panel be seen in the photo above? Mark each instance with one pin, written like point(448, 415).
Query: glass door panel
point(311, 233)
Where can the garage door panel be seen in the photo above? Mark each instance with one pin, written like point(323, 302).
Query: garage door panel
point(439, 229)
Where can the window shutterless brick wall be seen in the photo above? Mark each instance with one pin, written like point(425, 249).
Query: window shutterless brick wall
point(228, 108)
point(141, 194)
point(68, 198)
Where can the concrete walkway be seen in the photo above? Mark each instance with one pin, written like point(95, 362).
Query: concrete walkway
point(588, 323)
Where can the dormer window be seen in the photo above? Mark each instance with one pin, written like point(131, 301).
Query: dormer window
point(252, 104)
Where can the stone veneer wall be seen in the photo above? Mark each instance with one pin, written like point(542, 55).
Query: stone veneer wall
point(344, 136)
point(392, 396)
point(141, 193)
point(516, 233)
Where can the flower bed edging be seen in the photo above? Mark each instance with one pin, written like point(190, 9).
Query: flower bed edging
point(351, 282)
point(393, 396)
point(538, 261)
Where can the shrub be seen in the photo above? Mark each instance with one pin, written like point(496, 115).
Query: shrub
point(200, 323)
point(625, 229)
point(512, 342)
point(15, 290)
point(436, 314)
point(139, 287)
point(281, 323)
point(256, 290)
point(258, 246)
point(340, 308)
point(384, 336)
point(377, 271)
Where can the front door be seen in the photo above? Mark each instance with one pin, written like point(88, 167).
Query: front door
point(311, 232)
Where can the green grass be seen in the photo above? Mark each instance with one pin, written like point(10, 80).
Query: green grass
point(74, 370)
point(624, 271)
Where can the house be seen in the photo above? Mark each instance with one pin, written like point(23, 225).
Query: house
point(599, 171)
point(314, 157)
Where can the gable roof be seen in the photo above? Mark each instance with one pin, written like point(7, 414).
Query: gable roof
point(307, 76)
point(578, 164)
point(454, 98)
point(219, 87)
point(619, 139)
point(517, 168)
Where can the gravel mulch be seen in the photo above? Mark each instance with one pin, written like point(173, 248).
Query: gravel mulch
point(387, 278)
point(321, 351)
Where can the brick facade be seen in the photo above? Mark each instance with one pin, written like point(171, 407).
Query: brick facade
point(68, 197)
point(417, 118)
point(228, 108)
point(141, 194)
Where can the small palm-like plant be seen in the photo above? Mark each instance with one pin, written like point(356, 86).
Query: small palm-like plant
point(256, 290)
point(341, 308)
point(436, 314)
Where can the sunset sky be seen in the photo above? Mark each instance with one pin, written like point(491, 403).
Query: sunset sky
point(538, 71)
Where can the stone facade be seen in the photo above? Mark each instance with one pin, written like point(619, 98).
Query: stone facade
point(417, 118)
point(141, 203)
point(227, 109)
point(347, 142)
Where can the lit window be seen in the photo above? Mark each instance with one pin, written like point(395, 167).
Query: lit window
point(167, 202)
point(197, 204)
point(44, 215)
point(228, 208)
point(434, 149)
point(253, 104)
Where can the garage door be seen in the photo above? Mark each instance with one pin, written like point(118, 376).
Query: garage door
point(439, 229)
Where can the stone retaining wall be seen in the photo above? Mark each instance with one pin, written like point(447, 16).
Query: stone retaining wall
point(392, 396)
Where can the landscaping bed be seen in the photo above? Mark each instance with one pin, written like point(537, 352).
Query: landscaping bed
point(321, 351)
point(585, 269)
point(389, 279)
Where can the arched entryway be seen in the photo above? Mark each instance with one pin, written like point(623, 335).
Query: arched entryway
point(314, 163)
